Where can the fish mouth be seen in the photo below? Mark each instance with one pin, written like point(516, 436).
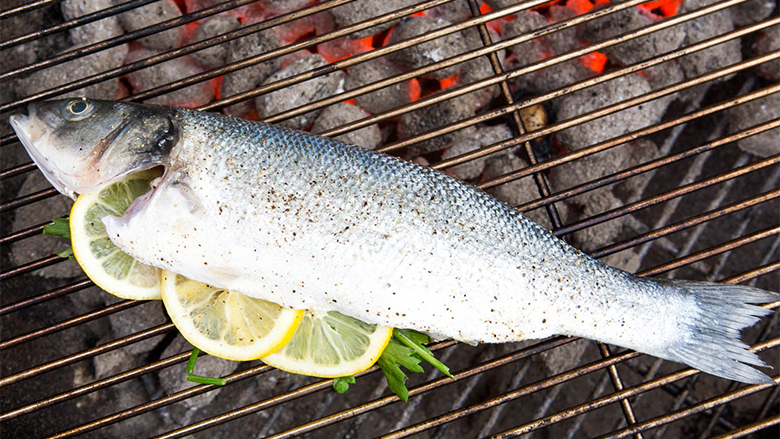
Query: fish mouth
point(33, 134)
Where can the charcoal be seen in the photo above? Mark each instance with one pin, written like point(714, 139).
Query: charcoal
point(480, 68)
point(384, 99)
point(454, 12)
point(174, 379)
point(500, 4)
point(563, 40)
point(167, 72)
point(768, 42)
point(752, 11)
point(136, 319)
point(753, 113)
point(249, 77)
point(662, 76)
point(428, 52)
point(482, 137)
point(91, 32)
point(515, 192)
point(713, 58)
point(149, 15)
point(340, 114)
point(600, 200)
point(278, 7)
point(299, 94)
point(355, 12)
point(637, 49)
point(613, 125)
point(39, 246)
point(78, 69)
point(215, 56)
point(525, 22)
point(435, 116)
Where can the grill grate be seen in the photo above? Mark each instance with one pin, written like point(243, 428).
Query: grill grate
point(708, 211)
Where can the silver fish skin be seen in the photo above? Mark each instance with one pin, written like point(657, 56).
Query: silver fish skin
point(312, 223)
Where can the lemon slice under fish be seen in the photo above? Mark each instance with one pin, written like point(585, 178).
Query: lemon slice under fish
point(225, 323)
point(330, 344)
point(111, 269)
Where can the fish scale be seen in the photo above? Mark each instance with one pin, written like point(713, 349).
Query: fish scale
point(312, 223)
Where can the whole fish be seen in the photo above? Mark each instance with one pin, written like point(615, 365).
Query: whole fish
point(312, 223)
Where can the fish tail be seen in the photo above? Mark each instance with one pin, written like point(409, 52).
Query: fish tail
point(710, 339)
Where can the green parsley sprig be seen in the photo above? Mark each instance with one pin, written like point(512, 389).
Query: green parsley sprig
point(405, 349)
point(60, 227)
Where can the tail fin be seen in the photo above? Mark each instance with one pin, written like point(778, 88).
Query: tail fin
point(712, 342)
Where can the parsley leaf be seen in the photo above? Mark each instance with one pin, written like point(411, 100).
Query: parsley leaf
point(406, 349)
point(341, 384)
point(60, 227)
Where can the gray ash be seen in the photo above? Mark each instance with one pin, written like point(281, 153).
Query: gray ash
point(429, 52)
point(215, 56)
point(337, 115)
point(384, 99)
point(768, 42)
point(252, 76)
point(299, 94)
point(355, 12)
point(167, 72)
point(150, 14)
point(753, 113)
point(435, 116)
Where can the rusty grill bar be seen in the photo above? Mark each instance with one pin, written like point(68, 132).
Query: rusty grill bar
point(648, 398)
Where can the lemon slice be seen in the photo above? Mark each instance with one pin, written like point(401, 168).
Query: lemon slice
point(111, 269)
point(329, 345)
point(225, 323)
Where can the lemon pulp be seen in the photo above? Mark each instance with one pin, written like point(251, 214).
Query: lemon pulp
point(224, 323)
point(103, 262)
point(330, 344)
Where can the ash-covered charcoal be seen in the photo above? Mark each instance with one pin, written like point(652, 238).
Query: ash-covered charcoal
point(91, 32)
point(167, 72)
point(768, 42)
point(454, 12)
point(78, 69)
point(709, 26)
point(429, 52)
point(215, 56)
point(435, 116)
point(249, 77)
point(355, 12)
point(299, 94)
point(636, 49)
point(613, 125)
point(341, 114)
point(384, 99)
point(753, 113)
point(481, 137)
point(480, 68)
point(563, 40)
point(606, 198)
point(278, 7)
point(174, 379)
point(136, 319)
point(150, 14)
point(752, 11)
point(516, 192)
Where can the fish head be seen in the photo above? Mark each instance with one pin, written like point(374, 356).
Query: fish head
point(82, 145)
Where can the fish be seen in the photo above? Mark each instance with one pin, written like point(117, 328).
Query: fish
point(312, 223)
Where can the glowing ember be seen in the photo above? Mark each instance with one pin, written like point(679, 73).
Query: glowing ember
point(594, 61)
point(579, 6)
point(449, 82)
point(667, 8)
point(413, 87)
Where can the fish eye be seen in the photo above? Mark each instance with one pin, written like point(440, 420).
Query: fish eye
point(78, 107)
